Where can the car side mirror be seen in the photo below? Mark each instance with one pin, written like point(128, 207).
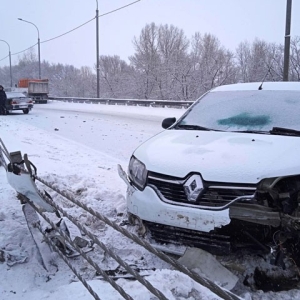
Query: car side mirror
point(166, 123)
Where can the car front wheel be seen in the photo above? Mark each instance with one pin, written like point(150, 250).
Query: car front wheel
point(26, 111)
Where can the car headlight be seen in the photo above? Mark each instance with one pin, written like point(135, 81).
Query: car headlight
point(137, 173)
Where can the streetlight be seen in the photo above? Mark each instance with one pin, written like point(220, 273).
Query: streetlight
point(39, 53)
point(9, 60)
point(97, 50)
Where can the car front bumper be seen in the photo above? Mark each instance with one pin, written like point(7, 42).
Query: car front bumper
point(149, 207)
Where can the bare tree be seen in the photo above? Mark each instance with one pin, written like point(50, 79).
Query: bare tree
point(115, 76)
point(172, 80)
point(243, 56)
point(259, 61)
point(146, 60)
point(295, 59)
point(160, 61)
point(213, 65)
point(86, 82)
point(27, 66)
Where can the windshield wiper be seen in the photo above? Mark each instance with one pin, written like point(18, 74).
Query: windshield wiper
point(285, 131)
point(192, 127)
point(252, 131)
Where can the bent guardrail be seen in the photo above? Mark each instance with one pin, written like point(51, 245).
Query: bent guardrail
point(133, 102)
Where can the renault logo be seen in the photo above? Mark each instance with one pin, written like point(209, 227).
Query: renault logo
point(193, 187)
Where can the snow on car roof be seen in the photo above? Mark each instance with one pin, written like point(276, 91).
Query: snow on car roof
point(255, 85)
point(15, 94)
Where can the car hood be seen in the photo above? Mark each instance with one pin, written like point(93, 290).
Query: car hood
point(221, 156)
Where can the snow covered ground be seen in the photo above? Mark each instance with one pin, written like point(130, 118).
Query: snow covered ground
point(77, 147)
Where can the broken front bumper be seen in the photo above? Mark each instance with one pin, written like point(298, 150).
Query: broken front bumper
point(147, 206)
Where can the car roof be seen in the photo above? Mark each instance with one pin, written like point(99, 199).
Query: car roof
point(252, 86)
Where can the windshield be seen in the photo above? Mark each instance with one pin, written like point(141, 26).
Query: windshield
point(257, 110)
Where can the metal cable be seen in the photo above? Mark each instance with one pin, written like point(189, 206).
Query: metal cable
point(24, 50)
point(82, 253)
point(4, 57)
point(2, 160)
point(50, 242)
point(83, 281)
point(224, 294)
point(5, 151)
point(68, 31)
point(119, 8)
point(146, 283)
point(71, 29)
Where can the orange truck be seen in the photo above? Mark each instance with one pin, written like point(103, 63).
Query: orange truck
point(37, 89)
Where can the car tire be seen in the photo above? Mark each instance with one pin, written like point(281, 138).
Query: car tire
point(26, 111)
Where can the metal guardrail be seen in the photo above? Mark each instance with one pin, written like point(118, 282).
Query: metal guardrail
point(134, 102)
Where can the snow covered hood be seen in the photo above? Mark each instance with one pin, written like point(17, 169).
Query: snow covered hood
point(221, 156)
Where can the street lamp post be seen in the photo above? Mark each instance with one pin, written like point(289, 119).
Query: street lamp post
point(39, 52)
point(9, 54)
point(97, 51)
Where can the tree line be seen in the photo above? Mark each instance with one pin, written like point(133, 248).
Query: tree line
point(165, 65)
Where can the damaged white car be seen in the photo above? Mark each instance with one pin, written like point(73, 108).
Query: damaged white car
point(226, 175)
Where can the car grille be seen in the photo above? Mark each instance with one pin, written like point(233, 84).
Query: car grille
point(221, 241)
point(214, 194)
point(218, 244)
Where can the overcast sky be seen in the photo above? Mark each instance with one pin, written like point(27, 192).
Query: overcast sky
point(232, 21)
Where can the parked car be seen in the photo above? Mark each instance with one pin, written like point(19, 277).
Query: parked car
point(224, 176)
point(18, 101)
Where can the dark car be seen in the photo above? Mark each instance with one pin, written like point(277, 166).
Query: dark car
point(18, 101)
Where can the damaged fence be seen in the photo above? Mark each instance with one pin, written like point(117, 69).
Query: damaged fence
point(22, 175)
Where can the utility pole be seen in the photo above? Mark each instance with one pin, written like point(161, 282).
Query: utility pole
point(97, 51)
point(287, 41)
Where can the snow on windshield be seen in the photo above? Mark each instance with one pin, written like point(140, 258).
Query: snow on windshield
point(246, 110)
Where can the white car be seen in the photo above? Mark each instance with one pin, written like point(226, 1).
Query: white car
point(226, 175)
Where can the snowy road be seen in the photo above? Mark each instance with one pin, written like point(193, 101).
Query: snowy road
point(96, 124)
